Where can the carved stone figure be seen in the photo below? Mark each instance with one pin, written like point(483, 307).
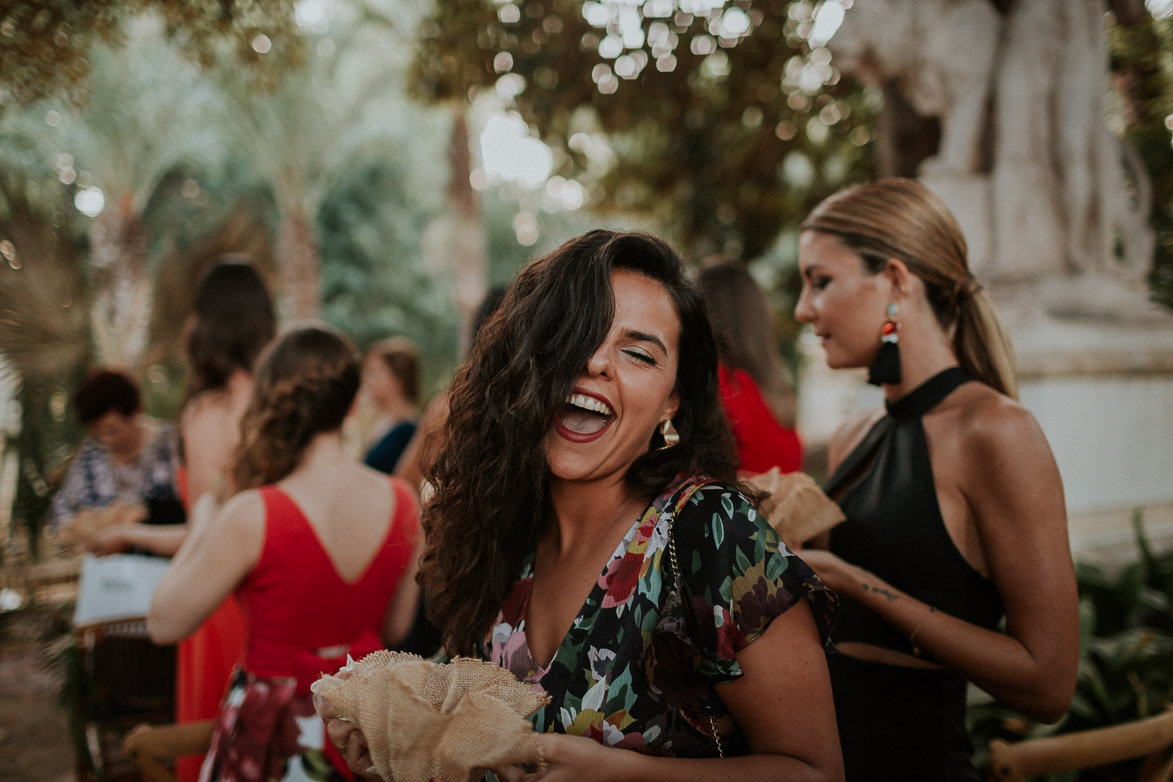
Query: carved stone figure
point(939, 54)
point(1026, 160)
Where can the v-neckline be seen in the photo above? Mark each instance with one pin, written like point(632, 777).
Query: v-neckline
point(598, 589)
point(366, 569)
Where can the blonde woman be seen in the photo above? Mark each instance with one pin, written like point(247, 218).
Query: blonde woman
point(955, 512)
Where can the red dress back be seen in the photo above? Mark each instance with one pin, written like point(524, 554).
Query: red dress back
point(302, 616)
point(303, 619)
point(762, 442)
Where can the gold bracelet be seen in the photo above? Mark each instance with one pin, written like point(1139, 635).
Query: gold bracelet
point(912, 636)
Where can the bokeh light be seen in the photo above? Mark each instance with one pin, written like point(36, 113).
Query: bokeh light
point(90, 201)
point(510, 154)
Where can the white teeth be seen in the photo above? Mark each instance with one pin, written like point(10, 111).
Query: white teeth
point(589, 403)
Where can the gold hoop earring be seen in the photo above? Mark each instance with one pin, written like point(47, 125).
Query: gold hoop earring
point(669, 433)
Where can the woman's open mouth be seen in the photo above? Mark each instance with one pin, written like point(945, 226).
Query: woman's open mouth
point(584, 418)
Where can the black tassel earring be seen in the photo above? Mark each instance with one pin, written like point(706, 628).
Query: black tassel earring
point(886, 366)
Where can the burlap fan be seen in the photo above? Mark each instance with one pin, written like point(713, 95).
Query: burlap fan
point(797, 508)
point(91, 522)
point(423, 719)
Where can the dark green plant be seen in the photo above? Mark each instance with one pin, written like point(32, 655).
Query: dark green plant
point(1142, 71)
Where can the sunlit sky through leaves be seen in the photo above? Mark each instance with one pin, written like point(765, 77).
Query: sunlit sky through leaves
point(1160, 9)
point(630, 37)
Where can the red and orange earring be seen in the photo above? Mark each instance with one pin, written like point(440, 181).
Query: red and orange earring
point(886, 366)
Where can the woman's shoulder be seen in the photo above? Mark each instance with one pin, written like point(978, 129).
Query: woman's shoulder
point(729, 555)
point(362, 475)
point(986, 419)
point(369, 487)
point(211, 405)
point(243, 514)
point(711, 492)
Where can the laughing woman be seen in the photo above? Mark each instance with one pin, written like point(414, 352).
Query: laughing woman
point(588, 533)
point(955, 515)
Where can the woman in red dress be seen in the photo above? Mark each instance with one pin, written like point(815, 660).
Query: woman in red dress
point(319, 551)
point(757, 398)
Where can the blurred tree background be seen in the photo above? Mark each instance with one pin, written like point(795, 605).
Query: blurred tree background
point(386, 161)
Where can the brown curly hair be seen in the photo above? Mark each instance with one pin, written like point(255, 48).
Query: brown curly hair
point(305, 384)
point(489, 470)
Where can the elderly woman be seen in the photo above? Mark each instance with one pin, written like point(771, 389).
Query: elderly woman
point(588, 533)
point(124, 471)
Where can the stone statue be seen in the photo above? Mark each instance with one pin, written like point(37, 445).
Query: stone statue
point(1026, 160)
point(939, 54)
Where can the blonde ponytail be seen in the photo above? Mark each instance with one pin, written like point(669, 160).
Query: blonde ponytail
point(981, 344)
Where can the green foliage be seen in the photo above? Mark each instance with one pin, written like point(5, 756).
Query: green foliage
point(1126, 659)
point(714, 136)
point(47, 43)
point(375, 282)
point(1142, 69)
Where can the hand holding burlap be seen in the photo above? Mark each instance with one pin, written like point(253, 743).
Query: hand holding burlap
point(423, 720)
point(797, 508)
point(89, 523)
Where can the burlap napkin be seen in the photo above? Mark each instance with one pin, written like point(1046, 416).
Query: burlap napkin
point(797, 508)
point(90, 522)
point(423, 719)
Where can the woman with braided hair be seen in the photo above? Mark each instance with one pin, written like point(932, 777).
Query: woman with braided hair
point(319, 551)
point(954, 505)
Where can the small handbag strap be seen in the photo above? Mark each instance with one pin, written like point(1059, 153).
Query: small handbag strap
point(678, 502)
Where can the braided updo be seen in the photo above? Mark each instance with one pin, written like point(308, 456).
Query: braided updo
point(304, 386)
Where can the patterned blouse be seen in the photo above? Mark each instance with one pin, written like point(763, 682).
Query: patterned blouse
point(639, 665)
point(94, 480)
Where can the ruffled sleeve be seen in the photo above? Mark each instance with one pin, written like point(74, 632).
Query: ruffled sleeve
point(735, 577)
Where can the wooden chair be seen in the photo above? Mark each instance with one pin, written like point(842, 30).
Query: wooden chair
point(1150, 738)
point(154, 748)
point(129, 680)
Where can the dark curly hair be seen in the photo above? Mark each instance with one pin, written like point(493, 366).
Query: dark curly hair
point(490, 472)
point(305, 384)
point(233, 322)
point(104, 390)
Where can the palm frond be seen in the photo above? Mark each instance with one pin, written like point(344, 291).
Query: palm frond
point(43, 306)
point(242, 232)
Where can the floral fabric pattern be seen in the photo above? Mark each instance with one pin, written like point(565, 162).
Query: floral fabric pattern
point(640, 662)
point(265, 732)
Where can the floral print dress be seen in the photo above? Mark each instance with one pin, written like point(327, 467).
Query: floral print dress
point(640, 662)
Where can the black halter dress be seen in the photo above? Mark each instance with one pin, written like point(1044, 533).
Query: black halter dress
point(895, 722)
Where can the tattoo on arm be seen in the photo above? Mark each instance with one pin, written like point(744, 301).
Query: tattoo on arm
point(888, 595)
